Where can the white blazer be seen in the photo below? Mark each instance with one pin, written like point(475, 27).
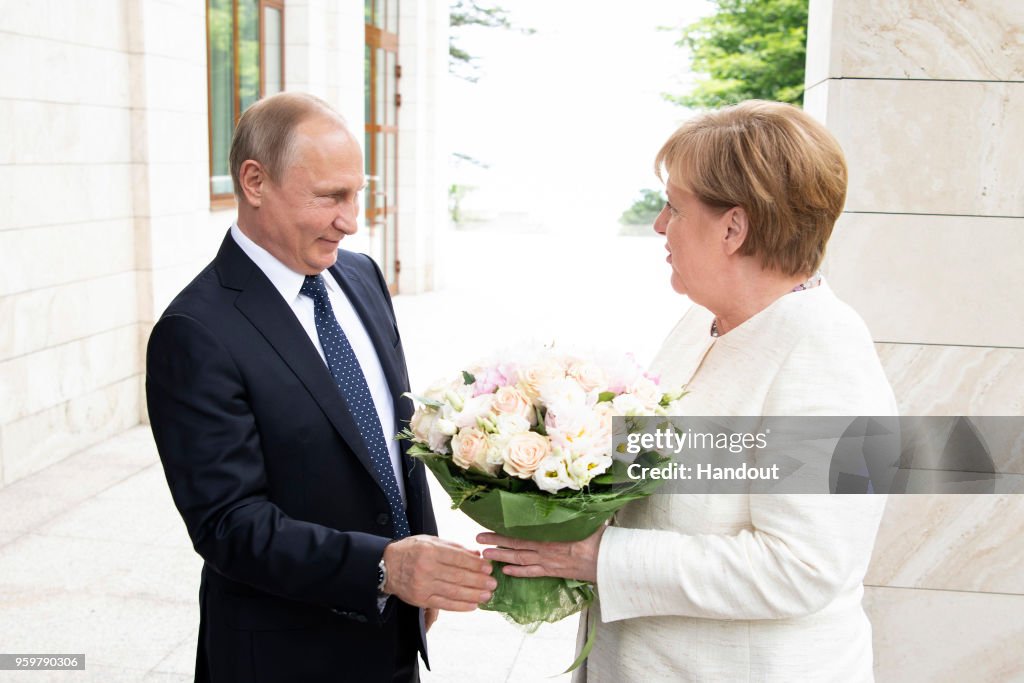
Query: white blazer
point(749, 587)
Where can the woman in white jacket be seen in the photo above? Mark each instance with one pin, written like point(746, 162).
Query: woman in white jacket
point(741, 587)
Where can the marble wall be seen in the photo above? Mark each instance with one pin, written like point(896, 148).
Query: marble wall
point(69, 353)
point(104, 183)
point(925, 97)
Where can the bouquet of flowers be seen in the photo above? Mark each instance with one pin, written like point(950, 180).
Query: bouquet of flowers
point(523, 445)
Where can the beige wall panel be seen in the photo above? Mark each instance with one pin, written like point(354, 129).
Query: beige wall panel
point(96, 24)
point(41, 439)
point(64, 72)
point(160, 136)
point(34, 195)
point(932, 279)
point(926, 636)
point(57, 315)
point(59, 133)
point(951, 542)
point(53, 376)
point(928, 39)
point(955, 380)
point(58, 254)
point(955, 142)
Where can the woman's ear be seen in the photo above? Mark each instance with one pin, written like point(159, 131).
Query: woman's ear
point(251, 177)
point(736, 226)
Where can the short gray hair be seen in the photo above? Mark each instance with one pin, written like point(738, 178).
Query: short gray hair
point(266, 130)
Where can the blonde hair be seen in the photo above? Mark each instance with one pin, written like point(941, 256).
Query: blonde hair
point(265, 132)
point(781, 166)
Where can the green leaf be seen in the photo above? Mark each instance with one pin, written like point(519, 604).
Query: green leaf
point(467, 378)
point(433, 403)
point(540, 428)
point(587, 647)
point(605, 396)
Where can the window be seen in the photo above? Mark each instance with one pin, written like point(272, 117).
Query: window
point(245, 61)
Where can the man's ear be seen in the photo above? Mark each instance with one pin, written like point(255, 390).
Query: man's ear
point(252, 178)
point(736, 227)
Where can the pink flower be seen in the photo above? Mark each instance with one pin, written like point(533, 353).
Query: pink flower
point(588, 375)
point(524, 453)
point(488, 380)
point(512, 401)
point(469, 451)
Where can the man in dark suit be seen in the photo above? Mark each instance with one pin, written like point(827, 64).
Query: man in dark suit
point(274, 383)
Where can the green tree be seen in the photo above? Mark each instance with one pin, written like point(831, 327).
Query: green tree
point(748, 49)
point(644, 210)
point(464, 13)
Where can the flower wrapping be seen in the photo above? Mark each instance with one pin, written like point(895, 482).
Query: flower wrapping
point(523, 445)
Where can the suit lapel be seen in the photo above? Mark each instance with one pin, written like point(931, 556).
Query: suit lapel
point(263, 306)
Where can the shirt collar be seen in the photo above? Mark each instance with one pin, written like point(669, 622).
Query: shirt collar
point(285, 280)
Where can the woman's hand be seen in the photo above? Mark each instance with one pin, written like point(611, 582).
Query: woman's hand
point(577, 560)
point(429, 617)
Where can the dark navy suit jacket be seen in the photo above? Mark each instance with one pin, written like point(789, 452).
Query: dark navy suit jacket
point(275, 485)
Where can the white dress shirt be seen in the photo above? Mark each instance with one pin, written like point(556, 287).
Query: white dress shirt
point(288, 283)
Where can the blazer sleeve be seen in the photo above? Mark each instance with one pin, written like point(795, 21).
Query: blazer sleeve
point(801, 550)
point(210, 449)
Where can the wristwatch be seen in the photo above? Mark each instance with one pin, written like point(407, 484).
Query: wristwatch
point(382, 576)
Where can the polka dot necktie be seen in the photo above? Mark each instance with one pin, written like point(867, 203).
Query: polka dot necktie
point(344, 367)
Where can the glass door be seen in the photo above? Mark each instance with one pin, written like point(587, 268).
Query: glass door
point(382, 101)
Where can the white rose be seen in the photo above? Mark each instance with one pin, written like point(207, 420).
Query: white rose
point(446, 426)
point(511, 401)
point(589, 376)
point(473, 408)
point(628, 404)
point(422, 422)
point(645, 391)
point(604, 414)
point(496, 449)
point(437, 440)
point(509, 425)
point(469, 451)
point(552, 475)
point(524, 453)
point(532, 377)
point(561, 394)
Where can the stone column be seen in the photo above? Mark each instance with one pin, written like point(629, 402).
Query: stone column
point(170, 156)
point(422, 145)
point(926, 97)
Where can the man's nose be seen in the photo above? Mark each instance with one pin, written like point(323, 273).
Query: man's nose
point(347, 217)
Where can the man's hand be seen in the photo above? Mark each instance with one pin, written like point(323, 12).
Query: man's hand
point(429, 572)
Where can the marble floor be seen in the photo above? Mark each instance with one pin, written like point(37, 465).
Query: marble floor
point(94, 559)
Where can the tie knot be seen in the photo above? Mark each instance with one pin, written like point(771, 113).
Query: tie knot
point(313, 287)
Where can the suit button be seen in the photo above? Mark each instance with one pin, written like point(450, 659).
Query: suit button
point(383, 519)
